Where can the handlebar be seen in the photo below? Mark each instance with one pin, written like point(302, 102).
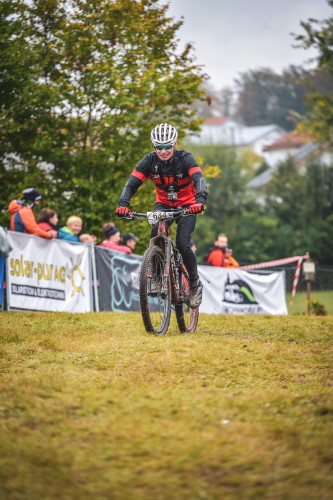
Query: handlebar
point(160, 215)
point(154, 217)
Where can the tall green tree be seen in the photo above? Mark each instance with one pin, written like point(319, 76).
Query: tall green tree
point(82, 84)
point(302, 203)
point(265, 96)
point(319, 119)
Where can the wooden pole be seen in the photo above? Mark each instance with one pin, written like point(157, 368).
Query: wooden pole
point(308, 295)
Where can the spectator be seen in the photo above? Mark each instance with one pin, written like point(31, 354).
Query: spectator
point(216, 256)
point(111, 236)
point(229, 260)
point(130, 240)
point(71, 231)
point(88, 238)
point(22, 219)
point(48, 220)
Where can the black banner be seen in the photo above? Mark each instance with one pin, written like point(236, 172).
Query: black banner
point(118, 276)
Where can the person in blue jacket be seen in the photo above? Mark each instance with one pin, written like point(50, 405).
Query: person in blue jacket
point(71, 231)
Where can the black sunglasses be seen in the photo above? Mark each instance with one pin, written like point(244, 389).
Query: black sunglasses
point(164, 146)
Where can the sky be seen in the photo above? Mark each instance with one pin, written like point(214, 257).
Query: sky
point(233, 36)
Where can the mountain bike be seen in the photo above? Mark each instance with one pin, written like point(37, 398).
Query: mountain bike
point(164, 280)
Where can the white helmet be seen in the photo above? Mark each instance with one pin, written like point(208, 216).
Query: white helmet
point(163, 134)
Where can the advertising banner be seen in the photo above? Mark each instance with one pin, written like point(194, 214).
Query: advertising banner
point(225, 291)
point(2, 275)
point(232, 291)
point(48, 275)
point(118, 277)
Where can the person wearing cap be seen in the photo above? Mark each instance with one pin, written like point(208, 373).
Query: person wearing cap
point(111, 240)
point(23, 219)
point(130, 240)
point(179, 183)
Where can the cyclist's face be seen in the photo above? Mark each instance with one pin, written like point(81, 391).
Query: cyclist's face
point(165, 154)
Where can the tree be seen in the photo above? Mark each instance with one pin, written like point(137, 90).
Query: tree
point(226, 180)
point(82, 84)
point(265, 96)
point(302, 203)
point(319, 119)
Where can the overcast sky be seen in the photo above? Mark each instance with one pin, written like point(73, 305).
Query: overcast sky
point(232, 36)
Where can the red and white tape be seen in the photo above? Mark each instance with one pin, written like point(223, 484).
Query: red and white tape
point(273, 263)
point(280, 262)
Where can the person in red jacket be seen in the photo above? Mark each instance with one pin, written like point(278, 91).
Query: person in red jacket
point(48, 220)
point(111, 236)
point(22, 219)
point(216, 255)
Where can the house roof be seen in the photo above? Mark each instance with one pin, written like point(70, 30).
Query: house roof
point(227, 130)
point(288, 141)
point(304, 152)
point(248, 135)
point(216, 120)
point(262, 179)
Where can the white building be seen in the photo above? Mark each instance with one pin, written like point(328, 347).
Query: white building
point(226, 130)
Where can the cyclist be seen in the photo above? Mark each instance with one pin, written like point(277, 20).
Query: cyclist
point(179, 183)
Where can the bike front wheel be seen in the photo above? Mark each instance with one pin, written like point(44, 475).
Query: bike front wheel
point(155, 297)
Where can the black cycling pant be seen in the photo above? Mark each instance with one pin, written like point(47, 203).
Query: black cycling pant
point(185, 230)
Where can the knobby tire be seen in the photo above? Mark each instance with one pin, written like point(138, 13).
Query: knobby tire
point(155, 306)
point(187, 318)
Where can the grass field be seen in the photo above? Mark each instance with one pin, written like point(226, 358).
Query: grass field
point(92, 407)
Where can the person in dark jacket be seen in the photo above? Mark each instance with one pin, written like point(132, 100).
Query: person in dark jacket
point(179, 182)
point(22, 219)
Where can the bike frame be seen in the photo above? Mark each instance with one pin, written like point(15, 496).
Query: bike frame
point(163, 239)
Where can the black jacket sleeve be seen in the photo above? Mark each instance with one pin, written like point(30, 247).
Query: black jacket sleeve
point(197, 177)
point(130, 188)
point(200, 187)
point(138, 176)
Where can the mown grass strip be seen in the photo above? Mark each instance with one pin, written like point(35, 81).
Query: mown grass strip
point(93, 407)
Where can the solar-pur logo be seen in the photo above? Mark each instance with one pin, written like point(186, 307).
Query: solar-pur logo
point(238, 292)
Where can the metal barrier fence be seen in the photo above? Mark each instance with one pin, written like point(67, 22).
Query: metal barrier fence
point(323, 278)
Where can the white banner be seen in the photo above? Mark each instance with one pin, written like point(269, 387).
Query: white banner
point(232, 291)
point(48, 275)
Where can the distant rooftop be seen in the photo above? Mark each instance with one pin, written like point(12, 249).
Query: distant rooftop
point(288, 141)
point(216, 120)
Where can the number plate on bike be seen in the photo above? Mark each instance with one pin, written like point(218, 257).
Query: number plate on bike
point(155, 217)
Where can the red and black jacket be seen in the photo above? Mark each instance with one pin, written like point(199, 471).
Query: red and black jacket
point(181, 174)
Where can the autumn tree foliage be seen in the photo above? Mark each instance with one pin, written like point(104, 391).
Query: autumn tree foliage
point(82, 82)
point(318, 121)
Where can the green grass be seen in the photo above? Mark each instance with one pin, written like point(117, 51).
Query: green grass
point(300, 303)
point(92, 407)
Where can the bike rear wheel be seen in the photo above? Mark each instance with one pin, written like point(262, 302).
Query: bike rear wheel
point(155, 300)
point(187, 318)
